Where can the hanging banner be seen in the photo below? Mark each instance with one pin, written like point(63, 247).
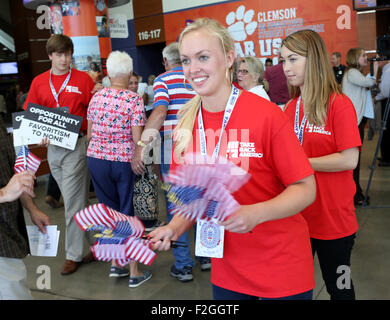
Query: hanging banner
point(258, 27)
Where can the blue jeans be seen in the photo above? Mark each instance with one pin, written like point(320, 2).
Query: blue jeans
point(183, 256)
point(225, 294)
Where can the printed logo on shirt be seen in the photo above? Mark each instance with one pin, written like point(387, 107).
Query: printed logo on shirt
point(237, 149)
point(71, 89)
point(310, 128)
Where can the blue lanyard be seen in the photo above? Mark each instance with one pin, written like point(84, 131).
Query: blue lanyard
point(64, 84)
point(226, 117)
point(299, 129)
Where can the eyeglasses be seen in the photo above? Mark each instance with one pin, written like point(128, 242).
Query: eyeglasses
point(243, 71)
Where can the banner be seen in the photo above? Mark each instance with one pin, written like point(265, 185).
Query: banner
point(39, 122)
point(258, 27)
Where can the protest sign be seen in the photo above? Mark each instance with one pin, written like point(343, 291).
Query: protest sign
point(17, 118)
point(62, 129)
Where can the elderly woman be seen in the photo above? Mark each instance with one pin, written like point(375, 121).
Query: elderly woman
point(250, 76)
point(116, 117)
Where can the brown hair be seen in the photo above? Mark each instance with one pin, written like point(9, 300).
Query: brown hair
point(352, 58)
point(59, 43)
point(337, 54)
point(320, 82)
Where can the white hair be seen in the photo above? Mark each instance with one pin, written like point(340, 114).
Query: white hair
point(106, 82)
point(119, 63)
point(172, 54)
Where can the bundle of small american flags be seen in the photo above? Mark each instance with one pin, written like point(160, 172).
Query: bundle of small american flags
point(119, 238)
point(26, 160)
point(202, 188)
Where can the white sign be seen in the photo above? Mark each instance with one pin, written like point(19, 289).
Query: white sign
point(43, 245)
point(118, 26)
point(62, 129)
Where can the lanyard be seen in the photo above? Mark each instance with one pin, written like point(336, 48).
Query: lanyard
point(226, 117)
point(299, 129)
point(53, 91)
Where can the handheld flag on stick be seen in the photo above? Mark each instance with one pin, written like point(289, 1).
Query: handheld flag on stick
point(121, 237)
point(202, 188)
point(26, 160)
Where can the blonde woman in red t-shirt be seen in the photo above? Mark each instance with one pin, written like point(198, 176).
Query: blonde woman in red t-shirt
point(325, 123)
point(267, 250)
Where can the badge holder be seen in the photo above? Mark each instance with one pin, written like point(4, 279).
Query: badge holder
point(209, 239)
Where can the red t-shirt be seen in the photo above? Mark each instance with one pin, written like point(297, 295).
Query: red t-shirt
point(332, 215)
point(75, 96)
point(275, 259)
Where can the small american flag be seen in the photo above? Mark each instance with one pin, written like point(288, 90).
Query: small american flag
point(100, 216)
point(202, 188)
point(26, 160)
point(120, 235)
point(139, 250)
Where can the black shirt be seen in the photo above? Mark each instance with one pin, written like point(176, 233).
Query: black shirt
point(13, 234)
point(339, 72)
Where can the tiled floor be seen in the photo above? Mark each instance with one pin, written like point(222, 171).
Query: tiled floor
point(370, 258)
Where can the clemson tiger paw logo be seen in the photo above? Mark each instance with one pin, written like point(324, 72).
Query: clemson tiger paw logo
point(240, 23)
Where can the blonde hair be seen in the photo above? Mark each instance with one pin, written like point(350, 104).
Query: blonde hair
point(320, 82)
point(182, 134)
point(255, 68)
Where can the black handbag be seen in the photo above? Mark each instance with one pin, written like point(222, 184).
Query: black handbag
point(145, 195)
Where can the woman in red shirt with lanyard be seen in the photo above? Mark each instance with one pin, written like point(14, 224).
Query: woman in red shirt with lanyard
point(325, 123)
point(267, 250)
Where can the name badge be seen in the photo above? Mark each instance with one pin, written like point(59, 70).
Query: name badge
point(209, 239)
point(64, 109)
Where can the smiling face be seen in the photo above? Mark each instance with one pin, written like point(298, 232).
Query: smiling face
point(362, 61)
point(205, 62)
point(294, 67)
point(133, 83)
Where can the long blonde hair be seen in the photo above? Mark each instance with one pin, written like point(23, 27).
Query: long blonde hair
point(182, 134)
point(320, 82)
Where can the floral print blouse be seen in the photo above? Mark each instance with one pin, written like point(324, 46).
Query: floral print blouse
point(113, 112)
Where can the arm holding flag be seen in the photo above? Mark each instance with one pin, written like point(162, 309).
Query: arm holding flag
point(161, 237)
point(20, 183)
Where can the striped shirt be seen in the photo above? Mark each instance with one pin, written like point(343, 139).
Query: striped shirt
point(170, 91)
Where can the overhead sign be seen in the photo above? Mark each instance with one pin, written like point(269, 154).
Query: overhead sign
point(258, 27)
point(38, 122)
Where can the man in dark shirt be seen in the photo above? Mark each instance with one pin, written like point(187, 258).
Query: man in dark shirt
point(338, 68)
point(275, 83)
point(13, 235)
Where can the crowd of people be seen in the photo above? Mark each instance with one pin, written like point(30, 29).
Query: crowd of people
point(301, 196)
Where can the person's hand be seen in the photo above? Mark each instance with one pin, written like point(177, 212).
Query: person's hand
point(137, 164)
point(161, 238)
point(45, 142)
point(40, 220)
point(241, 221)
point(98, 86)
point(19, 183)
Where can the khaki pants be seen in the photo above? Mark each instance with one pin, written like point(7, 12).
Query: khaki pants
point(13, 280)
point(69, 168)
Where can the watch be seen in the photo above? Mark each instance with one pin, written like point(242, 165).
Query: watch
point(141, 144)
